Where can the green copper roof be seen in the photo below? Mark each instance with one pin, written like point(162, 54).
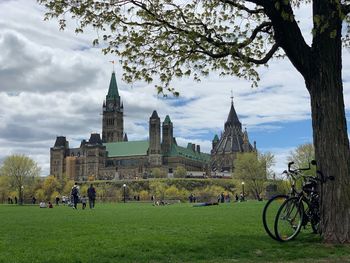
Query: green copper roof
point(113, 88)
point(167, 119)
point(118, 149)
point(216, 138)
point(188, 153)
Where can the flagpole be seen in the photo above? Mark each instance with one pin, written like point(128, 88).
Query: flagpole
point(112, 61)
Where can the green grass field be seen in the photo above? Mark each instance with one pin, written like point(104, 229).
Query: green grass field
point(134, 232)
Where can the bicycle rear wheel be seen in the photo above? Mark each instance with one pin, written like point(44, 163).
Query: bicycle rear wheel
point(289, 219)
point(269, 213)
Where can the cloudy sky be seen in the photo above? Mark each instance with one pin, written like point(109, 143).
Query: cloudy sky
point(53, 83)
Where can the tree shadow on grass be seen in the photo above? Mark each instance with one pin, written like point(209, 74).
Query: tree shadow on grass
point(232, 248)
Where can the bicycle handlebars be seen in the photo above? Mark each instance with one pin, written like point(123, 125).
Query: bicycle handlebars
point(322, 178)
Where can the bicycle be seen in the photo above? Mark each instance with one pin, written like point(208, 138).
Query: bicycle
point(271, 208)
point(297, 211)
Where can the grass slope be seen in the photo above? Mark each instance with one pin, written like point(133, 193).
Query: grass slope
point(142, 233)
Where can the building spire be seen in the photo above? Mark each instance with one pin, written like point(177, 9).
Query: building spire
point(113, 88)
point(232, 97)
point(232, 119)
point(245, 136)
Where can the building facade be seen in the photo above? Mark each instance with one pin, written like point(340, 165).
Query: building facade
point(114, 157)
point(233, 140)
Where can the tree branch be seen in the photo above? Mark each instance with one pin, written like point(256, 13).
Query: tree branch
point(255, 32)
point(288, 35)
point(267, 57)
point(242, 7)
point(345, 9)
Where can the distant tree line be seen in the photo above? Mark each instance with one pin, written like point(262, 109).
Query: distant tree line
point(19, 177)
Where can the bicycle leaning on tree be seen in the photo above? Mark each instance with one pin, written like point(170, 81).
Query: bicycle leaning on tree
point(284, 215)
point(302, 208)
point(274, 203)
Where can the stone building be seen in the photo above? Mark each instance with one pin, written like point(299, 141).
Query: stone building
point(232, 141)
point(114, 157)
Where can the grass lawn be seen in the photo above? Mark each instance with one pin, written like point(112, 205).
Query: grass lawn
point(134, 232)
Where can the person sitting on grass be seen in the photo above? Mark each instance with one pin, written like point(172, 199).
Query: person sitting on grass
point(42, 204)
point(50, 205)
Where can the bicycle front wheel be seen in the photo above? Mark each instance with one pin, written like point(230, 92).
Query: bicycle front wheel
point(289, 219)
point(269, 213)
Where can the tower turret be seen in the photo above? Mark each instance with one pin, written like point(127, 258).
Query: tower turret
point(246, 146)
point(154, 140)
point(215, 141)
point(58, 155)
point(113, 119)
point(167, 138)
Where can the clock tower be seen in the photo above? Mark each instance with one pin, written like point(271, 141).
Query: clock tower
point(112, 121)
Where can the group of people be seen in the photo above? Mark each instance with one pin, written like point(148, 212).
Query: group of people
point(91, 196)
point(221, 198)
point(241, 197)
point(192, 198)
point(42, 204)
point(10, 200)
point(224, 198)
point(74, 200)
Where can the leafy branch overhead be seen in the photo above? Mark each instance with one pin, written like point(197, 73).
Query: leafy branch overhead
point(162, 39)
point(166, 39)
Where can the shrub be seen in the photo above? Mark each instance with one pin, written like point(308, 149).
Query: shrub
point(159, 173)
point(172, 192)
point(180, 172)
point(209, 193)
point(144, 195)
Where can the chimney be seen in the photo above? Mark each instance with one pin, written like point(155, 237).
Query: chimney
point(198, 148)
point(193, 147)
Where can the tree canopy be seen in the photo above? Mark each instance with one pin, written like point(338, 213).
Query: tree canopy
point(254, 169)
point(302, 156)
point(21, 170)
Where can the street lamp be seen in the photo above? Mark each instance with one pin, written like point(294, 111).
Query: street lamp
point(243, 191)
point(124, 192)
point(21, 195)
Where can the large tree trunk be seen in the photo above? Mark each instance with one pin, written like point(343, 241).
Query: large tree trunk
point(333, 156)
point(330, 135)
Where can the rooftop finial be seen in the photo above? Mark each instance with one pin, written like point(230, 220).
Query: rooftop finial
point(231, 96)
point(112, 61)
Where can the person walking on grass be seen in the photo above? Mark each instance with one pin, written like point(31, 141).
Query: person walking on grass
point(91, 192)
point(57, 200)
point(84, 201)
point(75, 195)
